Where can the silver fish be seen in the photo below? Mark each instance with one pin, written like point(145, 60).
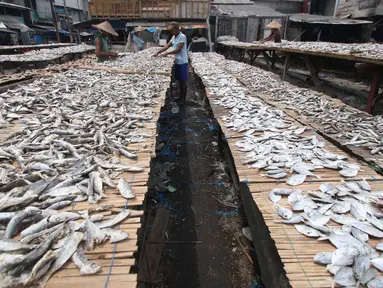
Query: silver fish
point(375, 283)
point(284, 212)
point(307, 231)
point(273, 197)
point(113, 221)
point(125, 189)
point(368, 275)
point(345, 277)
point(369, 229)
point(86, 267)
point(64, 254)
point(115, 235)
point(344, 256)
point(377, 263)
point(361, 265)
point(94, 235)
point(296, 180)
point(10, 245)
point(41, 267)
point(282, 191)
point(14, 223)
point(358, 234)
point(323, 258)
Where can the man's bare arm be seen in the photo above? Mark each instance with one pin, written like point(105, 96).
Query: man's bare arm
point(175, 51)
point(163, 49)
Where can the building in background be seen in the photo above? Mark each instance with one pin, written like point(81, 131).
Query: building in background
point(13, 23)
point(77, 9)
point(243, 19)
point(147, 13)
point(283, 6)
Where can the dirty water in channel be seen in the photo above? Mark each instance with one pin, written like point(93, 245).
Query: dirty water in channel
point(190, 176)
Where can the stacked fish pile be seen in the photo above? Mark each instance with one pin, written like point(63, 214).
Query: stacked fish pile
point(77, 126)
point(46, 54)
point(142, 62)
point(277, 145)
point(352, 126)
point(364, 50)
point(36, 46)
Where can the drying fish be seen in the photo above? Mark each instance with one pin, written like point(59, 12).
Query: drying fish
point(358, 234)
point(115, 235)
point(344, 256)
point(378, 263)
point(375, 283)
point(16, 220)
point(273, 197)
point(364, 185)
point(358, 211)
point(295, 219)
point(282, 191)
point(369, 229)
point(10, 245)
point(379, 247)
point(284, 212)
point(341, 207)
point(113, 221)
point(361, 265)
point(323, 258)
point(307, 231)
point(86, 267)
point(94, 235)
point(368, 275)
point(41, 267)
point(345, 277)
point(296, 180)
point(349, 172)
point(64, 254)
point(125, 189)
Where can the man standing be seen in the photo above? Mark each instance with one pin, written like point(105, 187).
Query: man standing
point(178, 43)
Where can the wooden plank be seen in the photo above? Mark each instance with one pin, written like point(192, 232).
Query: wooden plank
point(150, 259)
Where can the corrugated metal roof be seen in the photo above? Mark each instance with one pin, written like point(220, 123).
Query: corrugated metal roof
point(319, 19)
point(249, 9)
point(12, 23)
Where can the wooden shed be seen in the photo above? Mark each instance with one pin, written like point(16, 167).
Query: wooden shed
point(243, 19)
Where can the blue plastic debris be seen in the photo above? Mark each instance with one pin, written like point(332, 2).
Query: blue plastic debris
point(255, 284)
point(168, 153)
point(227, 214)
point(162, 200)
point(213, 128)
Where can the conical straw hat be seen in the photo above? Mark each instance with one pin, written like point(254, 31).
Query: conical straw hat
point(274, 24)
point(105, 26)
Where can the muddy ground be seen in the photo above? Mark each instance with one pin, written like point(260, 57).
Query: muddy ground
point(206, 213)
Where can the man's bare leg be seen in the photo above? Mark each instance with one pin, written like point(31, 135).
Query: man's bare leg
point(183, 91)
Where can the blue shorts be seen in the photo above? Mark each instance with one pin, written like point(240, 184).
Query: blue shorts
point(181, 71)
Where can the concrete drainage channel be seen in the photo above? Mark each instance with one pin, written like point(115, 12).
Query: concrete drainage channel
point(193, 235)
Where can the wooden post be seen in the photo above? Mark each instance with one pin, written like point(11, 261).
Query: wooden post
point(54, 19)
point(374, 89)
point(312, 70)
point(68, 23)
point(285, 68)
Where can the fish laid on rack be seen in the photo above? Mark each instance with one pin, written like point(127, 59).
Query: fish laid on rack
point(77, 125)
point(364, 50)
point(46, 54)
point(278, 146)
point(352, 126)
